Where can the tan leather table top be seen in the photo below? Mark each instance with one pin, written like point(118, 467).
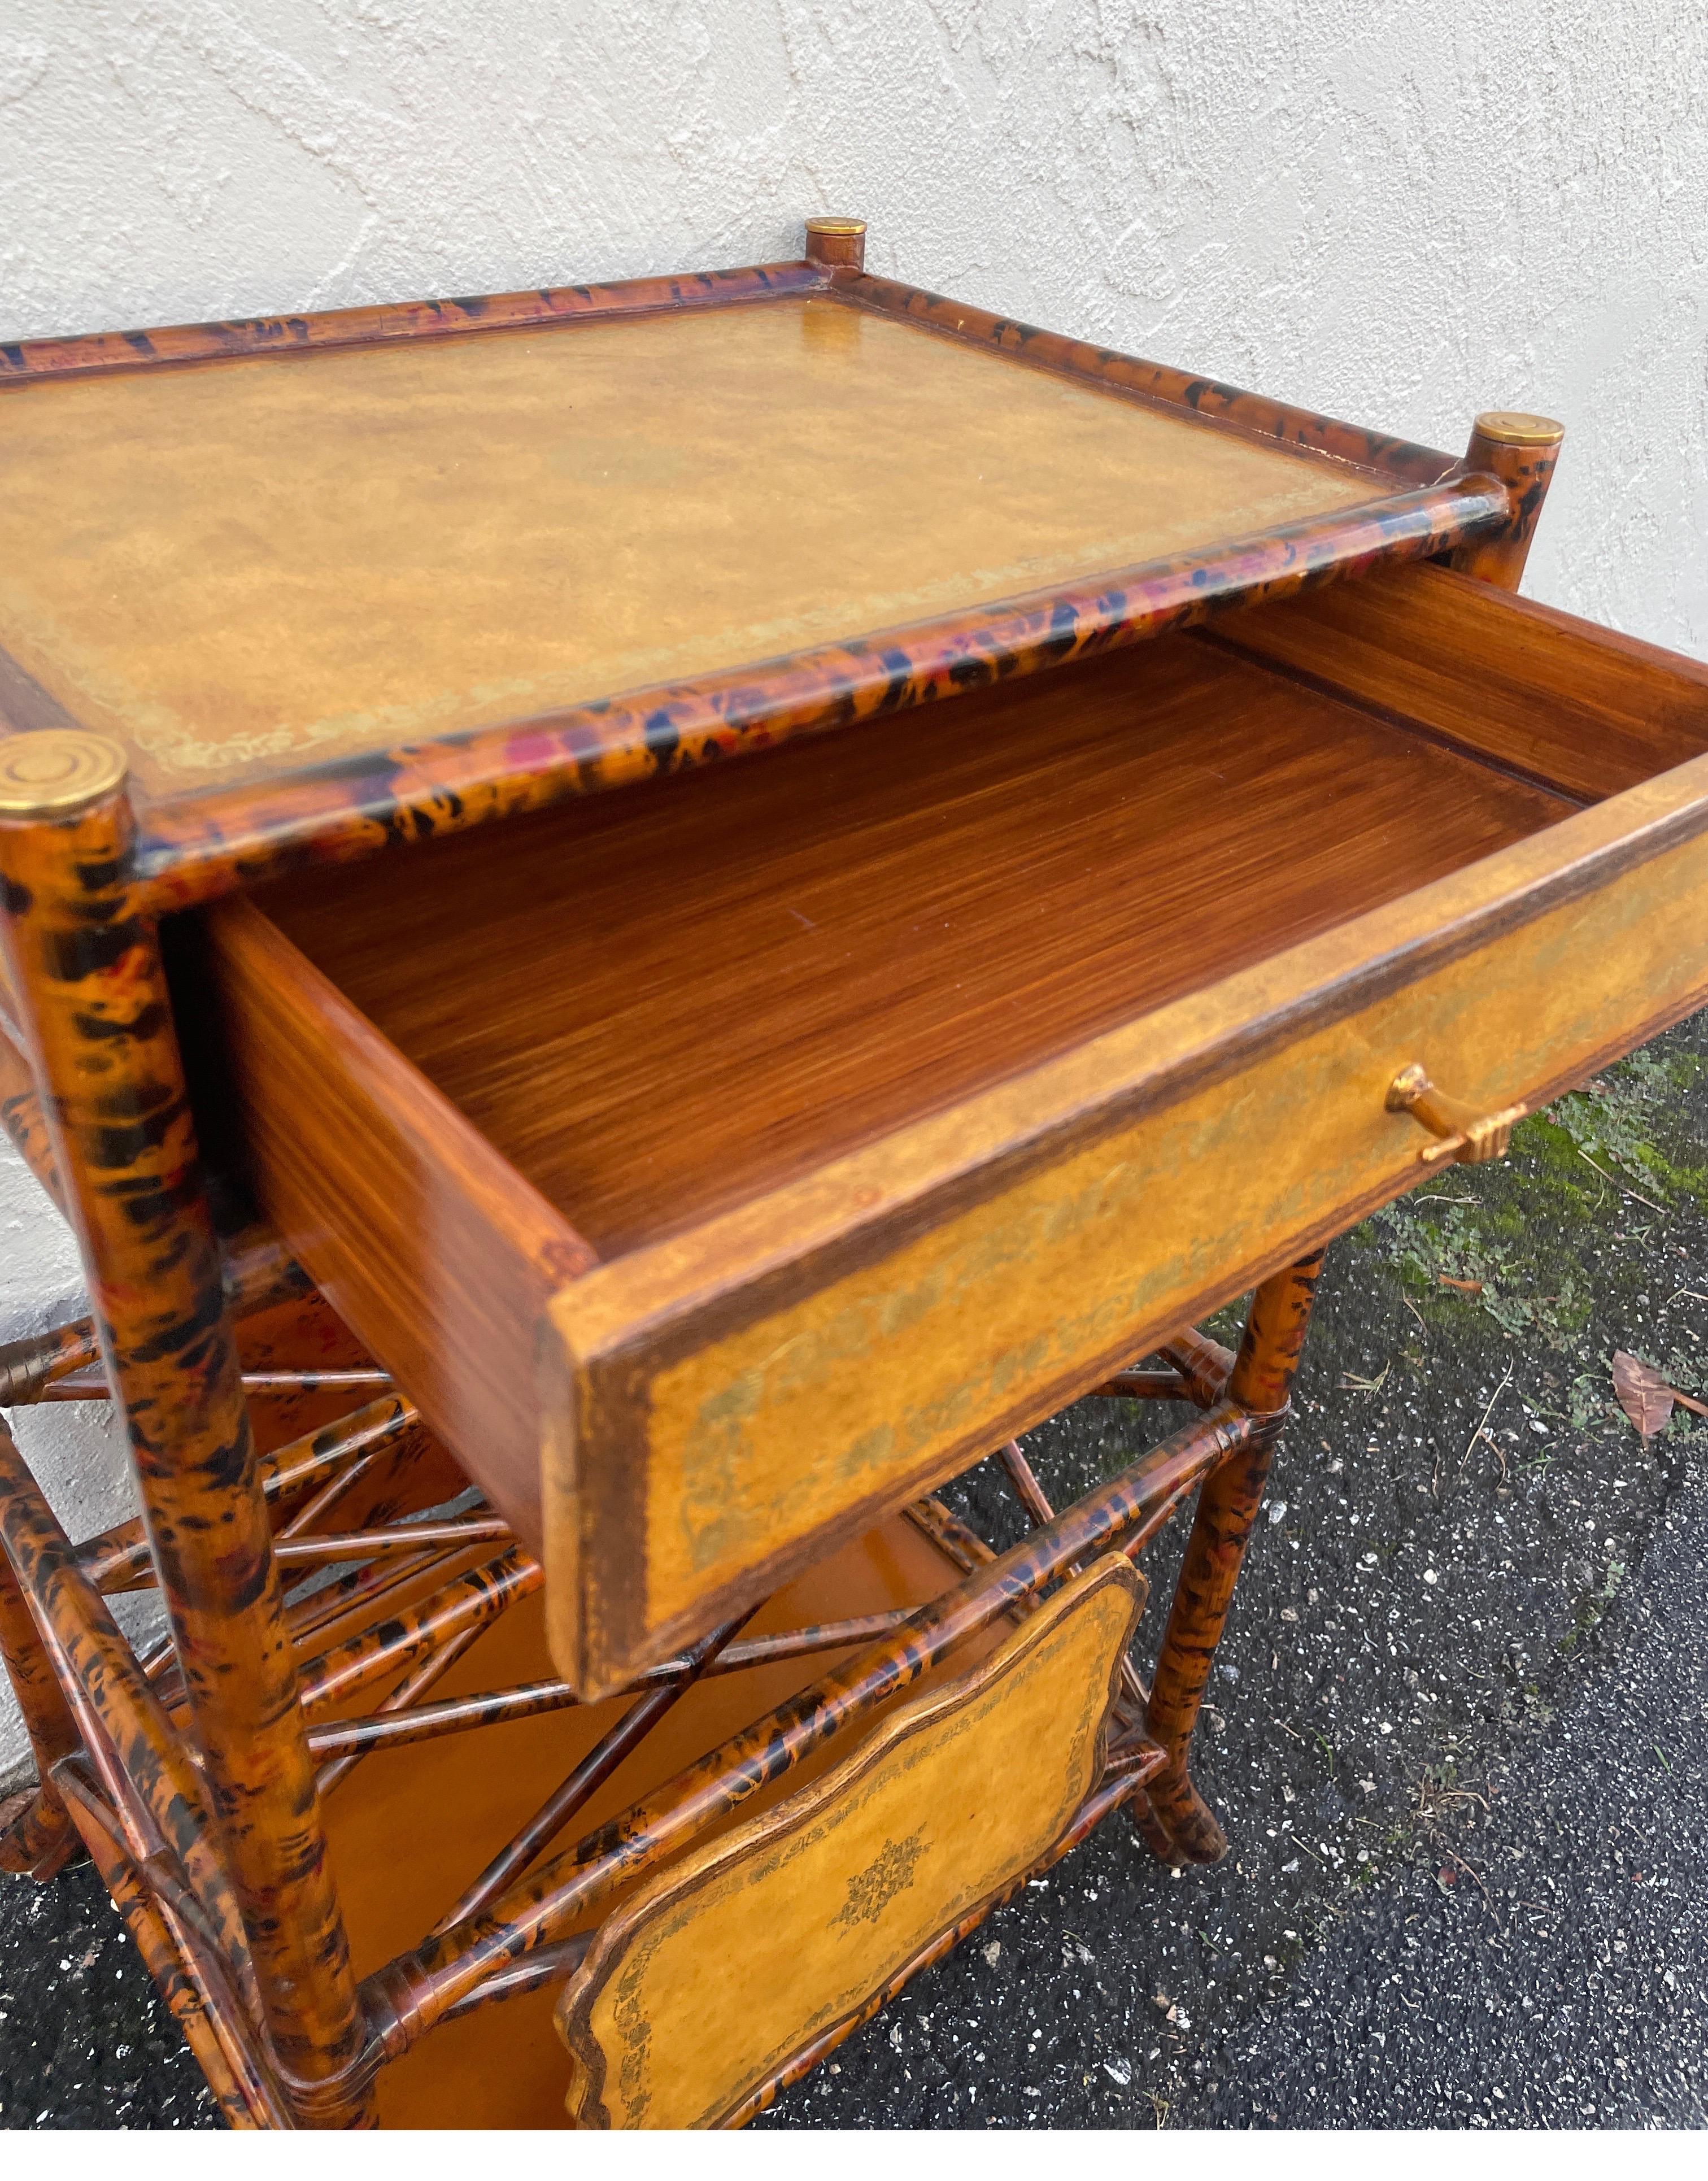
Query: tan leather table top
point(242, 567)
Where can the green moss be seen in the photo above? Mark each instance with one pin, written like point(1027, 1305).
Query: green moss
point(1614, 1121)
point(1592, 1605)
point(1512, 1247)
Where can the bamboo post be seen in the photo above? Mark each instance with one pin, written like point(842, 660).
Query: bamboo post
point(1261, 1385)
point(1521, 450)
point(838, 245)
point(87, 971)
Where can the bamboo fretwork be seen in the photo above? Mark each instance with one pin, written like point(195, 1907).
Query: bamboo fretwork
point(409, 1598)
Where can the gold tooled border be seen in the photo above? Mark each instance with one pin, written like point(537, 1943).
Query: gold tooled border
point(699, 1868)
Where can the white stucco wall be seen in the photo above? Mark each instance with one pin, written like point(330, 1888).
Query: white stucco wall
point(1399, 211)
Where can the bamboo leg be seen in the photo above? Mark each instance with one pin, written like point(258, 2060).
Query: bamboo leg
point(243, 2094)
point(1261, 1384)
point(146, 1775)
point(1521, 451)
point(36, 1834)
point(87, 973)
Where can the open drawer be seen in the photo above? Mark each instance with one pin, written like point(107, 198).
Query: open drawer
point(722, 1163)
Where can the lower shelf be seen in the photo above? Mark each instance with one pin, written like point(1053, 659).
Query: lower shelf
point(410, 1828)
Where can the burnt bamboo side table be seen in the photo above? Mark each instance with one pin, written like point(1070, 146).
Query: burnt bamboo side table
point(559, 1203)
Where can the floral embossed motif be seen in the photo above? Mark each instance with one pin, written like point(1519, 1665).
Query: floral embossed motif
point(890, 1872)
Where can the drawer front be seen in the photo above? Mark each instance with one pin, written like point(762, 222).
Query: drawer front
point(700, 1991)
point(730, 1404)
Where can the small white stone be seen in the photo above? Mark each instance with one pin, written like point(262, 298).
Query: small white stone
point(1429, 1575)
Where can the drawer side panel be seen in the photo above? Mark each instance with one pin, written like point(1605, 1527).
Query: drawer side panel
point(1589, 712)
point(434, 1251)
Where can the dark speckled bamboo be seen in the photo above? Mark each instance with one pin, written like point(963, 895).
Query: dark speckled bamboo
point(1261, 1385)
point(20, 1116)
point(86, 1385)
point(117, 1718)
point(39, 1837)
point(30, 1368)
point(1157, 385)
point(244, 2097)
point(1205, 1364)
point(77, 356)
point(118, 1557)
point(577, 1789)
point(1199, 1370)
point(1142, 1386)
point(86, 967)
point(395, 1724)
point(473, 1600)
point(259, 1273)
point(1498, 556)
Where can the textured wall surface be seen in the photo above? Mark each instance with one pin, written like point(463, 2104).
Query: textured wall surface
point(1399, 211)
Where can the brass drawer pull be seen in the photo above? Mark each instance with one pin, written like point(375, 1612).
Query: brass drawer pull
point(1462, 1134)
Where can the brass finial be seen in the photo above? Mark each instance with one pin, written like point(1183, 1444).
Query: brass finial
point(1513, 427)
point(835, 241)
point(57, 770)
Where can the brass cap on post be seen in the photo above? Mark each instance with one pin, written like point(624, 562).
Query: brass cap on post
point(1513, 427)
point(837, 242)
point(57, 770)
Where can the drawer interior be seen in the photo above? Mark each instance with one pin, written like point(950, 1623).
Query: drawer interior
point(660, 1001)
point(504, 2066)
point(722, 1163)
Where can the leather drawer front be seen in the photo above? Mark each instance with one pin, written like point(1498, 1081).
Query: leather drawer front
point(719, 1435)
